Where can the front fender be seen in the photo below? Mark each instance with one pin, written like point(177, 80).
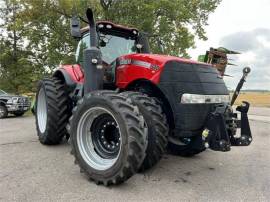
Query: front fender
point(71, 74)
point(3, 102)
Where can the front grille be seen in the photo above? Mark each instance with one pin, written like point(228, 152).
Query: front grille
point(178, 78)
point(193, 79)
point(24, 101)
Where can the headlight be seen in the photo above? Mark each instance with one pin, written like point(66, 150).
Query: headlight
point(204, 99)
point(100, 25)
point(15, 100)
point(108, 26)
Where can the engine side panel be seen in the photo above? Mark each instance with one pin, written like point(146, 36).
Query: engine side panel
point(143, 66)
point(133, 67)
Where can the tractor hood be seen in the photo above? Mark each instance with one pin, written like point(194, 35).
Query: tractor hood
point(190, 76)
point(175, 77)
point(186, 76)
point(156, 59)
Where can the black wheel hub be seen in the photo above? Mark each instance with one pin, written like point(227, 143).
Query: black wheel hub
point(106, 137)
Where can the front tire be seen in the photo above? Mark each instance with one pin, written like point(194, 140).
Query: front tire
point(108, 137)
point(157, 127)
point(186, 147)
point(52, 111)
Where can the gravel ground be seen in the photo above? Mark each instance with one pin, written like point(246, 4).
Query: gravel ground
point(30, 171)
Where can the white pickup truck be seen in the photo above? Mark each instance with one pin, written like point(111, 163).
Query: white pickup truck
point(13, 104)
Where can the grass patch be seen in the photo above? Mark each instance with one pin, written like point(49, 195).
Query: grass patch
point(256, 99)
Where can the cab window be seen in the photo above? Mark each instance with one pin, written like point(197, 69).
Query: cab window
point(111, 47)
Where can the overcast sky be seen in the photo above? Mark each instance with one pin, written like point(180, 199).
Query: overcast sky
point(244, 26)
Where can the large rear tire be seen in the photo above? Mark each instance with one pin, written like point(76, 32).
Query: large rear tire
point(157, 127)
point(108, 137)
point(52, 111)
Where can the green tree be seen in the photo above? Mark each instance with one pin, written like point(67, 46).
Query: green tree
point(176, 22)
point(43, 38)
point(16, 70)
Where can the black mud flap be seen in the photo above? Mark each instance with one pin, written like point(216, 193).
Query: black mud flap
point(215, 134)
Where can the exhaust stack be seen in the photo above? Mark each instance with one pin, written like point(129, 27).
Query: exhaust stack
point(92, 59)
point(92, 27)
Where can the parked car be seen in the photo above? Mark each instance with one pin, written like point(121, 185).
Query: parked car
point(13, 104)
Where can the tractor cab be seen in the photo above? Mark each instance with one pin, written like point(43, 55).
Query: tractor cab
point(113, 41)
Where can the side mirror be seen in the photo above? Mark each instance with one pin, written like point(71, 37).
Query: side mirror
point(143, 41)
point(75, 27)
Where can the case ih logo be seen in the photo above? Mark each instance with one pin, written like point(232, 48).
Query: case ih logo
point(138, 63)
point(125, 62)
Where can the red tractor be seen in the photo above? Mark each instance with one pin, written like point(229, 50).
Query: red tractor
point(122, 106)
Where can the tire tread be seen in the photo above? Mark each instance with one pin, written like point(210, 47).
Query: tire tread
point(137, 137)
point(157, 141)
point(58, 112)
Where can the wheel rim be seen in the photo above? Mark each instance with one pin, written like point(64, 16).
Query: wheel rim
point(42, 111)
point(99, 138)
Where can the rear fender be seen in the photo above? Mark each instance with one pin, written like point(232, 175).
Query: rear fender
point(2, 103)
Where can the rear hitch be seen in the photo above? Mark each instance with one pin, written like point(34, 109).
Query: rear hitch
point(215, 134)
point(246, 138)
point(221, 125)
point(218, 137)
